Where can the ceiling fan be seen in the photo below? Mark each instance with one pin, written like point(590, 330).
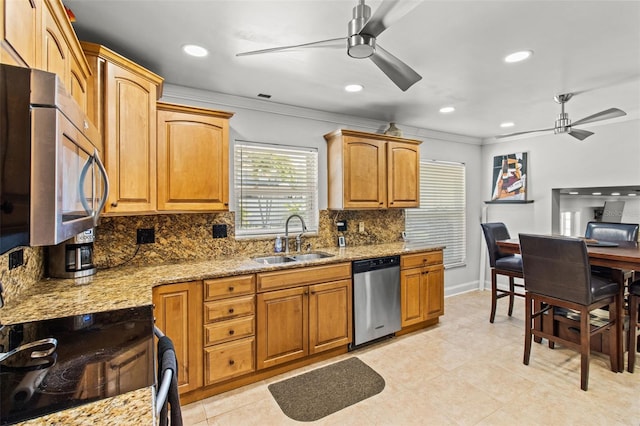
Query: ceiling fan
point(360, 42)
point(564, 125)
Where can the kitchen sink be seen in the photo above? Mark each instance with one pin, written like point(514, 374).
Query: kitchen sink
point(271, 260)
point(312, 256)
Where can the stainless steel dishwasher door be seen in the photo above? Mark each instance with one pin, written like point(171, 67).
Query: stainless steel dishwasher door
point(376, 303)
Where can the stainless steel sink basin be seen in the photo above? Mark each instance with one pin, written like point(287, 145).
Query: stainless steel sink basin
point(271, 260)
point(312, 256)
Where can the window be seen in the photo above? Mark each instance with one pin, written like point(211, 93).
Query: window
point(440, 219)
point(271, 183)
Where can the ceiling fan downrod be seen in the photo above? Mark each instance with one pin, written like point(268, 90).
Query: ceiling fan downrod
point(563, 123)
point(360, 46)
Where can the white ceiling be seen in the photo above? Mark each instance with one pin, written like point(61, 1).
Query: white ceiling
point(591, 48)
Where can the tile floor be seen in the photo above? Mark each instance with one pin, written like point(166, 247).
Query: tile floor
point(464, 371)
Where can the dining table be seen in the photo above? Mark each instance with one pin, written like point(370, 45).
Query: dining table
point(622, 255)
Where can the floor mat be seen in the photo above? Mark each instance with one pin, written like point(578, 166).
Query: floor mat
point(318, 393)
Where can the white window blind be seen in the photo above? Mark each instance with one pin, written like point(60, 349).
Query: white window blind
point(271, 183)
point(441, 216)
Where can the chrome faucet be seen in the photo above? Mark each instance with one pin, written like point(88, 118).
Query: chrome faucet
point(298, 238)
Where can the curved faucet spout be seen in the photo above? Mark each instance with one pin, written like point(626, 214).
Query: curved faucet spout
point(286, 232)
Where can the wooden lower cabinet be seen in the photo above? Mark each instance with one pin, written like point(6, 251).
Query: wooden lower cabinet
point(229, 328)
point(178, 312)
point(296, 322)
point(421, 287)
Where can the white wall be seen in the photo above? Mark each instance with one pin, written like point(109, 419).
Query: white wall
point(611, 157)
point(269, 122)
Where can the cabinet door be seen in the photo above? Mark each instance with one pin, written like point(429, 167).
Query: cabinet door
point(178, 312)
point(434, 290)
point(412, 297)
point(329, 315)
point(403, 175)
point(130, 141)
point(55, 53)
point(20, 27)
point(282, 326)
point(365, 176)
point(193, 162)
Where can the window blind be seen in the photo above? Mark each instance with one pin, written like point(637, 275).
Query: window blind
point(271, 183)
point(440, 219)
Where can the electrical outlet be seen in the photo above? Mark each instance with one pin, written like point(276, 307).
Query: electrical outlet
point(342, 226)
point(146, 236)
point(219, 231)
point(16, 258)
point(361, 227)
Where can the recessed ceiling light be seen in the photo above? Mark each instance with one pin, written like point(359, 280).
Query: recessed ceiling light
point(632, 194)
point(596, 193)
point(615, 193)
point(446, 110)
point(518, 56)
point(507, 124)
point(353, 87)
point(573, 193)
point(194, 50)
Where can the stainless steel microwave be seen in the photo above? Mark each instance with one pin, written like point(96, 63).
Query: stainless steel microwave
point(52, 182)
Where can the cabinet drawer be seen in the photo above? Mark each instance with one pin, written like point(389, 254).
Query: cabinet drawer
point(421, 259)
point(229, 360)
point(223, 331)
point(303, 276)
point(228, 308)
point(228, 287)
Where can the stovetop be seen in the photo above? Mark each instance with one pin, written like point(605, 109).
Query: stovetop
point(95, 356)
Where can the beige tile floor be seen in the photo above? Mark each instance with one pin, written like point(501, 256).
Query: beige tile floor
point(464, 371)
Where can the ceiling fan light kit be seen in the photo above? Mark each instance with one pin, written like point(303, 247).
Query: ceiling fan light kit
point(362, 32)
point(563, 123)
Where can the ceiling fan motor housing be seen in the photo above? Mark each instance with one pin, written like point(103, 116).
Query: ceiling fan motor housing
point(360, 46)
point(563, 124)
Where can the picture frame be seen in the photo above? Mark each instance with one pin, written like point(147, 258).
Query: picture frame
point(509, 177)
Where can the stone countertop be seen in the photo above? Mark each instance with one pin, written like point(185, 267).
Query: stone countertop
point(127, 287)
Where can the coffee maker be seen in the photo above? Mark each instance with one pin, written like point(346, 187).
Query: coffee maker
point(72, 258)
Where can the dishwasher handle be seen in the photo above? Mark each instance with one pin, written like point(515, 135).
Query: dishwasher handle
point(359, 266)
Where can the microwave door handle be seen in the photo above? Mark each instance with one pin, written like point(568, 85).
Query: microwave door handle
point(105, 190)
point(83, 175)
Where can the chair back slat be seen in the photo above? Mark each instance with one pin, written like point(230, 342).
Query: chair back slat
point(557, 267)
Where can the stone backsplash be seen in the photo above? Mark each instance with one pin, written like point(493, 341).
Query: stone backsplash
point(189, 236)
point(183, 237)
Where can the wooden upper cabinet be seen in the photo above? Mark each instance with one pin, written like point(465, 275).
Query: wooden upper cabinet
point(123, 106)
point(372, 171)
point(21, 32)
point(38, 34)
point(193, 158)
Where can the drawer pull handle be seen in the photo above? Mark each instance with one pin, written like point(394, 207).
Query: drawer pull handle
point(114, 204)
point(231, 362)
point(230, 310)
point(230, 288)
point(231, 332)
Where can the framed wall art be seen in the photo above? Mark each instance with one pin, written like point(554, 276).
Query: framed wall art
point(510, 177)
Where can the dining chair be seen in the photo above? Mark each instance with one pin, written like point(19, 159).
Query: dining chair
point(612, 232)
point(634, 322)
point(501, 263)
point(557, 275)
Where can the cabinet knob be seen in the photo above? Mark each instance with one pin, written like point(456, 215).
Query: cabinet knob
point(381, 203)
point(231, 362)
point(230, 288)
point(230, 310)
point(231, 332)
point(114, 204)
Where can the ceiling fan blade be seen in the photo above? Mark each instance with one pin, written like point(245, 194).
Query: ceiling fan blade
point(334, 42)
point(399, 72)
point(580, 134)
point(386, 14)
point(602, 115)
point(523, 133)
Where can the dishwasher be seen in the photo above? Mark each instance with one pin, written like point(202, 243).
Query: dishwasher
point(376, 299)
